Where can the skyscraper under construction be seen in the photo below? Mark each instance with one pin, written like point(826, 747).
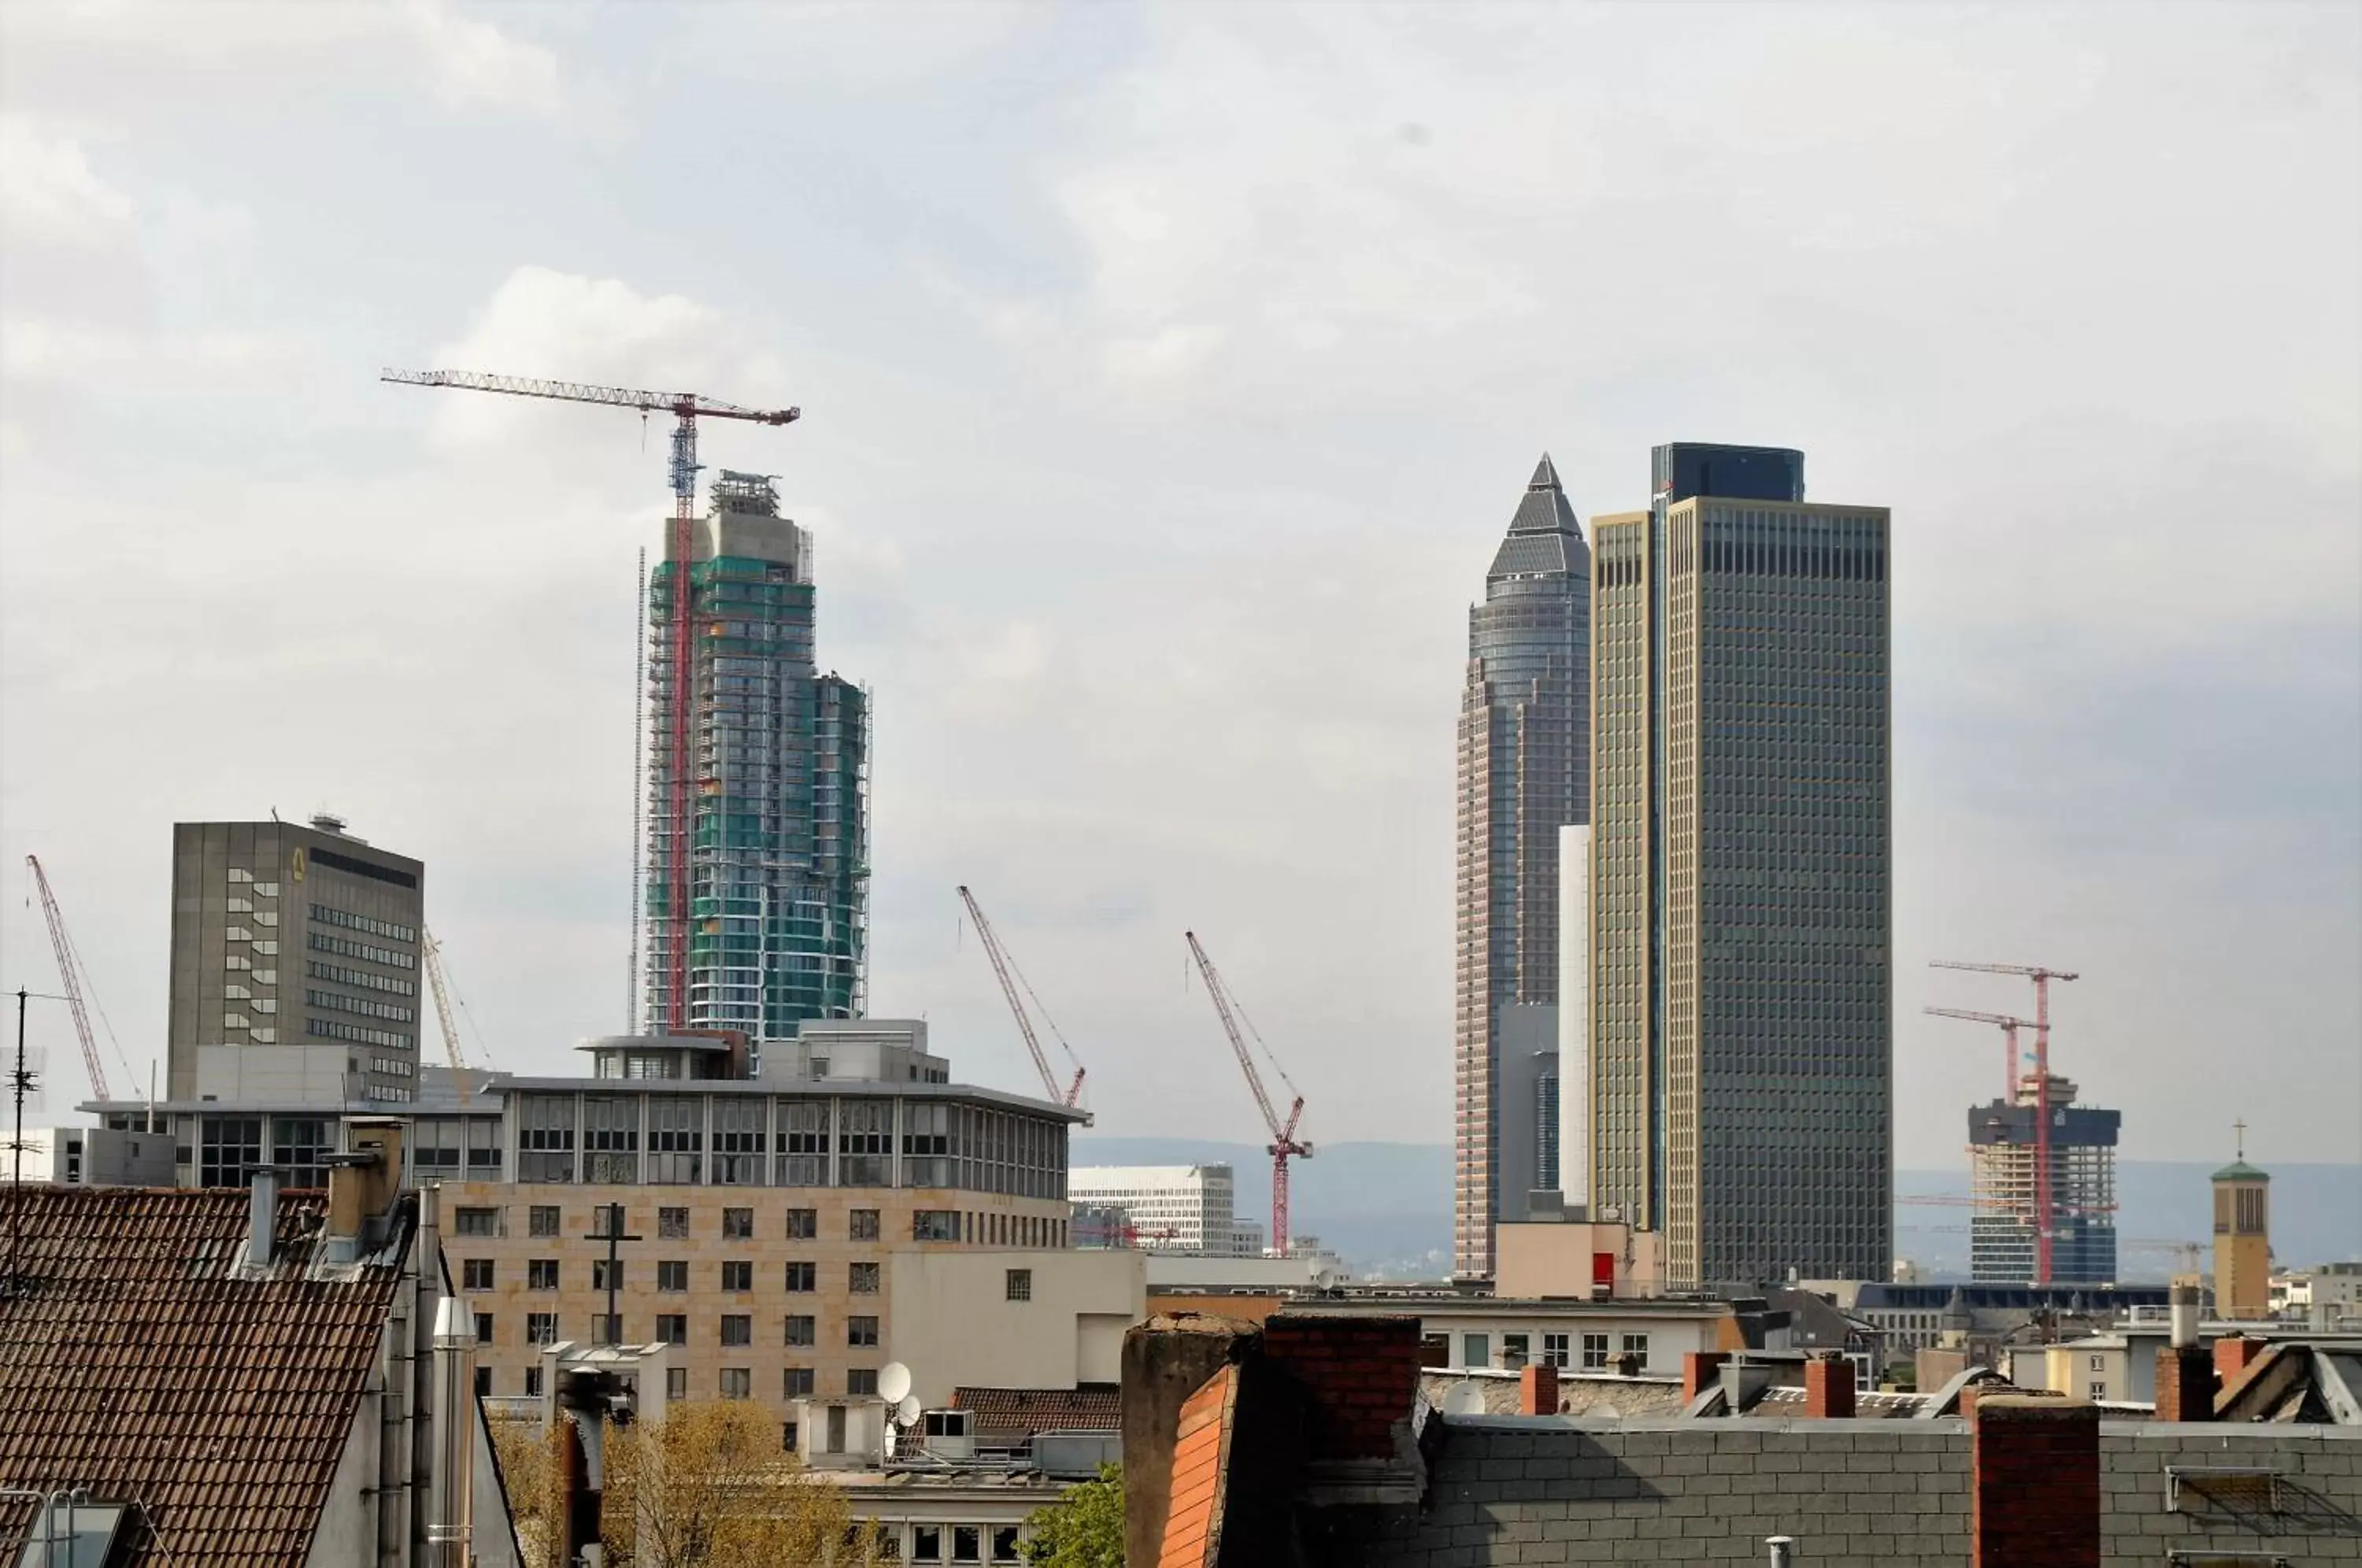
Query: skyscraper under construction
point(776, 928)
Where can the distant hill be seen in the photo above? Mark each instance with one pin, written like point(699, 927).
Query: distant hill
point(1388, 1207)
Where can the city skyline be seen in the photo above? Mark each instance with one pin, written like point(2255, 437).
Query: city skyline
point(1153, 539)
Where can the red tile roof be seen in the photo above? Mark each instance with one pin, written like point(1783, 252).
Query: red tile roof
point(142, 1357)
point(1092, 1408)
point(1193, 1523)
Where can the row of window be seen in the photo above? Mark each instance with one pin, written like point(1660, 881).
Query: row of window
point(1598, 1351)
point(362, 978)
point(366, 1007)
point(328, 914)
point(357, 1034)
point(320, 942)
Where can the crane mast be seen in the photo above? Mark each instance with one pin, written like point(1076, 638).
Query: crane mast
point(1005, 969)
point(441, 988)
point(1284, 1141)
point(2044, 1211)
point(687, 408)
point(69, 972)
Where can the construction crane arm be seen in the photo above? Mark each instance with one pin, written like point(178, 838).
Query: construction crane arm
point(2000, 1018)
point(62, 945)
point(582, 392)
point(2002, 968)
point(1280, 1134)
point(435, 983)
point(984, 934)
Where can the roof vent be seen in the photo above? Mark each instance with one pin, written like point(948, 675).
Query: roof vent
point(328, 822)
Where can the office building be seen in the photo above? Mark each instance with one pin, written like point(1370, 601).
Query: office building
point(295, 964)
point(1741, 1059)
point(778, 874)
point(2001, 1169)
point(1171, 1209)
point(1523, 762)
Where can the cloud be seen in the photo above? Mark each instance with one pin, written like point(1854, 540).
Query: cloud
point(472, 61)
point(49, 196)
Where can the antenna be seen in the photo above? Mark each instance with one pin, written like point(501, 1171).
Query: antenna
point(908, 1410)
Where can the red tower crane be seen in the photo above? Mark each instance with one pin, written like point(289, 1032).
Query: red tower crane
point(2011, 1061)
point(1284, 1141)
point(1004, 968)
point(2044, 1212)
point(70, 973)
point(687, 409)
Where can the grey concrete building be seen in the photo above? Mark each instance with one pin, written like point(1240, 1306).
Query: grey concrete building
point(296, 974)
point(1741, 1045)
point(1523, 774)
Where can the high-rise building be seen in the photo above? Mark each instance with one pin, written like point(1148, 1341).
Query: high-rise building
point(1524, 758)
point(778, 927)
point(295, 964)
point(1741, 1048)
point(2001, 1169)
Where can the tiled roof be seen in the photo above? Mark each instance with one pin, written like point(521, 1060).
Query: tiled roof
point(1092, 1408)
point(1193, 1524)
point(142, 1357)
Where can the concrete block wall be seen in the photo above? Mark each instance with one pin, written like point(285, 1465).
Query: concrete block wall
point(2320, 1515)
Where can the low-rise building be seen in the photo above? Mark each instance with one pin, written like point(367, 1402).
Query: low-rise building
point(1172, 1209)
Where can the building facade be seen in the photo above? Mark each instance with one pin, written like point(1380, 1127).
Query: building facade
point(778, 926)
point(2002, 1168)
point(1523, 774)
point(2242, 1241)
point(295, 962)
point(1171, 1209)
point(1742, 1088)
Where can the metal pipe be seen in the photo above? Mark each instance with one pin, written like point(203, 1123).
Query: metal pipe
point(453, 1472)
point(1782, 1548)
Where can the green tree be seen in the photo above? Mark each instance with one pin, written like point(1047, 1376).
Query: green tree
point(708, 1487)
point(1084, 1529)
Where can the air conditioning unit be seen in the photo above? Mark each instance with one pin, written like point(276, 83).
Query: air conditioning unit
point(950, 1434)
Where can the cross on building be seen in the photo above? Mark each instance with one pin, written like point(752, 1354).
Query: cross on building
point(613, 1328)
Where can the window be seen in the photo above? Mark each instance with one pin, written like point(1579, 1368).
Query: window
point(675, 1383)
point(836, 1429)
point(476, 1273)
point(738, 1141)
point(476, 1222)
point(1514, 1354)
point(676, 1138)
point(1004, 1543)
point(533, 1383)
point(545, 1141)
point(541, 1328)
point(935, 1225)
point(1637, 1344)
point(302, 1146)
point(483, 1327)
point(738, 1275)
point(865, 1225)
point(2098, 1363)
point(803, 1276)
point(228, 1150)
point(803, 1224)
point(861, 1382)
point(1475, 1350)
point(610, 1136)
point(541, 1273)
point(2098, 1391)
point(861, 1330)
point(672, 1224)
point(1019, 1285)
point(926, 1543)
point(737, 1328)
point(787, 1437)
point(967, 1543)
point(863, 1279)
point(1594, 1352)
point(863, 1142)
point(804, 1143)
point(483, 1382)
point(801, 1329)
point(1553, 1350)
point(541, 1219)
point(926, 1145)
point(672, 1327)
point(605, 1275)
point(737, 1224)
point(796, 1383)
point(737, 1383)
point(672, 1275)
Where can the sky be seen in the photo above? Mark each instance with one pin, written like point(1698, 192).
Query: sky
point(1169, 374)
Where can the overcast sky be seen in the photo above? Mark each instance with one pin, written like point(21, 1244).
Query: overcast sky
point(1169, 376)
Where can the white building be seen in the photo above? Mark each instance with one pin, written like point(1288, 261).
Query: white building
point(1174, 1209)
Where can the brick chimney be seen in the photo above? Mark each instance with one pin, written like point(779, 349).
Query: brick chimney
point(2185, 1370)
point(2033, 1491)
point(1701, 1370)
point(2234, 1353)
point(1538, 1390)
point(1828, 1387)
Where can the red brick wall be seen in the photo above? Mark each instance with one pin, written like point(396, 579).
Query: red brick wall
point(1538, 1390)
point(1360, 1377)
point(2234, 1353)
point(1828, 1388)
point(1699, 1370)
point(2033, 1491)
point(2185, 1383)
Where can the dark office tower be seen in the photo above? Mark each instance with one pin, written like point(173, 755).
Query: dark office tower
point(778, 857)
point(1742, 1083)
point(1524, 773)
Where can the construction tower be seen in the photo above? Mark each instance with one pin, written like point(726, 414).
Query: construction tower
point(2002, 1154)
point(779, 758)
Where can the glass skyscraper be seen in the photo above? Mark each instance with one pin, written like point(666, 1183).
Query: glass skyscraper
point(1741, 1045)
point(1523, 774)
point(777, 928)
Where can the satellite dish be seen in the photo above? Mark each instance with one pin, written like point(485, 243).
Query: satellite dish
point(893, 1383)
point(1463, 1398)
point(907, 1410)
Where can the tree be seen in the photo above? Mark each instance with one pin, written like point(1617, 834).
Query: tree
point(529, 1472)
point(708, 1487)
point(1084, 1529)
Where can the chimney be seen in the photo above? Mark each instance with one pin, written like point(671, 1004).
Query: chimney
point(2034, 1487)
point(2183, 1306)
point(1828, 1387)
point(1700, 1369)
point(262, 1217)
point(2185, 1383)
point(362, 1185)
point(2234, 1353)
point(451, 1480)
point(1627, 1365)
point(1538, 1390)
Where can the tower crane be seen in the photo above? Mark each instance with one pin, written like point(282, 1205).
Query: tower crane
point(2009, 1028)
point(687, 409)
point(1284, 1141)
point(70, 971)
point(1004, 968)
point(441, 988)
point(2043, 1214)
